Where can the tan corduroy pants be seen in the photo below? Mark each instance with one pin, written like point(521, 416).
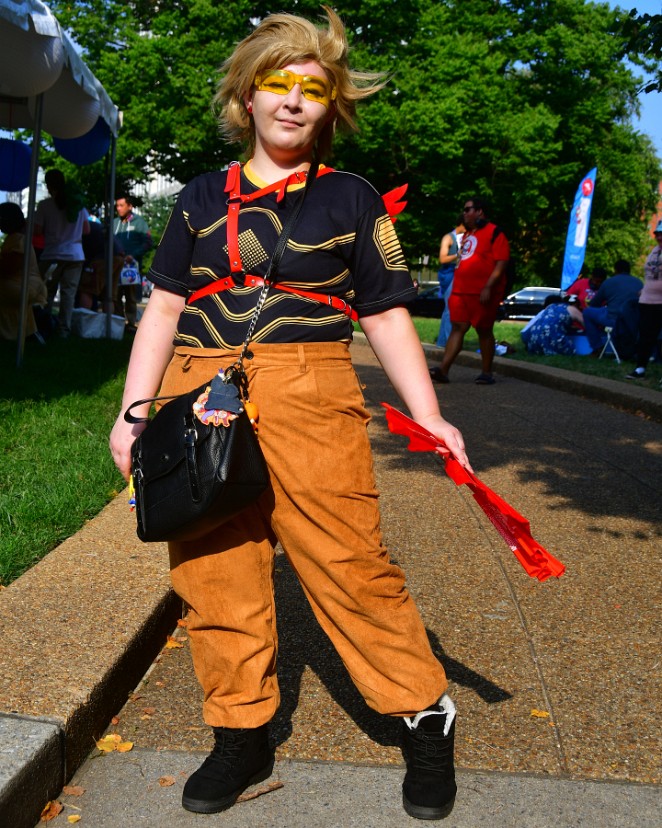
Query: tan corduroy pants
point(322, 507)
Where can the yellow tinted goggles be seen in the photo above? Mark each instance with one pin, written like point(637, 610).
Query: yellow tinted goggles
point(282, 81)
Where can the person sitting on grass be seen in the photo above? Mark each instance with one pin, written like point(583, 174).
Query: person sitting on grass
point(552, 330)
point(612, 304)
point(12, 223)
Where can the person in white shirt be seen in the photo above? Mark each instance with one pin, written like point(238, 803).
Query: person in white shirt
point(63, 220)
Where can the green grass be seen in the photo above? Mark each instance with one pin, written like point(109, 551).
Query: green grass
point(56, 413)
point(509, 331)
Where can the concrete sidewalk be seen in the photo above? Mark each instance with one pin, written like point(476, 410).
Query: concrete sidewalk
point(557, 684)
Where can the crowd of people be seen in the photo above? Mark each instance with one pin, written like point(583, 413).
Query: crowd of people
point(620, 313)
point(67, 262)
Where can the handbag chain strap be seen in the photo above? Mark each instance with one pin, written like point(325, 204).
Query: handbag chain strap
point(236, 373)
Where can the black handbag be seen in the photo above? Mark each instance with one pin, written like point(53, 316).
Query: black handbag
point(190, 477)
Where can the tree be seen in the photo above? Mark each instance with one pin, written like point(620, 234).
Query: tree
point(642, 35)
point(513, 99)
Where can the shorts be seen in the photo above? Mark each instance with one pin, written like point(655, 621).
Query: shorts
point(465, 308)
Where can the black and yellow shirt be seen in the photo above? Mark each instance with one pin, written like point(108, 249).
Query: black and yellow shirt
point(343, 244)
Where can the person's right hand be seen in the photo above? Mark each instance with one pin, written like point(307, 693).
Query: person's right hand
point(121, 439)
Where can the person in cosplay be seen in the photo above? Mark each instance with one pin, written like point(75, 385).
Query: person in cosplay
point(284, 90)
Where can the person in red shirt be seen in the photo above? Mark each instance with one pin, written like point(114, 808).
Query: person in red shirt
point(585, 288)
point(478, 289)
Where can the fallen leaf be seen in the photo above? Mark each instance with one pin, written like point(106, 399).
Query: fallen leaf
point(540, 714)
point(115, 720)
point(183, 622)
point(124, 747)
point(166, 781)
point(109, 743)
point(270, 786)
point(149, 710)
point(51, 810)
point(160, 683)
point(73, 790)
point(73, 818)
point(172, 643)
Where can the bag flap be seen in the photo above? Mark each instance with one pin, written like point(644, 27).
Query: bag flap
point(162, 445)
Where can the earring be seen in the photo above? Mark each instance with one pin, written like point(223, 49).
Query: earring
point(249, 106)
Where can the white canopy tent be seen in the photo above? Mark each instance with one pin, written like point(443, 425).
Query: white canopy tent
point(44, 85)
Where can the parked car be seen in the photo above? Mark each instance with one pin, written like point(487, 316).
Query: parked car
point(526, 303)
point(428, 303)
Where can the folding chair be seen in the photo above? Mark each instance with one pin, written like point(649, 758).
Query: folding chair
point(609, 344)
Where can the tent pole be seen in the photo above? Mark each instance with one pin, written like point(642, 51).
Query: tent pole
point(109, 242)
point(29, 227)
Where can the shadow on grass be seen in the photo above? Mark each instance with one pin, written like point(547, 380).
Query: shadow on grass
point(60, 367)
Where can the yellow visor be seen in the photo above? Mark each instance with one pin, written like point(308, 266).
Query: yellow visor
point(282, 81)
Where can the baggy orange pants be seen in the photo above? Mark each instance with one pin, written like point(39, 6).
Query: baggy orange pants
point(322, 507)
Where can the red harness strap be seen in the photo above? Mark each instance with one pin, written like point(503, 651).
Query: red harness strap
point(228, 282)
point(235, 200)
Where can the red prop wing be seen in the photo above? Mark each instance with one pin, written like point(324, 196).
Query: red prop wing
point(513, 527)
point(393, 201)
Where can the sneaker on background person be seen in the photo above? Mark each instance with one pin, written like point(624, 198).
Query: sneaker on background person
point(638, 373)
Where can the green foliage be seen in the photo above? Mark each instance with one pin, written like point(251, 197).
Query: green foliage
point(514, 100)
point(642, 34)
point(156, 212)
point(56, 413)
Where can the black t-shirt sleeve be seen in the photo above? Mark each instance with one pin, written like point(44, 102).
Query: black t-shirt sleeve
point(381, 276)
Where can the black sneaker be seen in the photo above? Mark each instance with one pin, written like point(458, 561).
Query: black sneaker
point(638, 373)
point(241, 757)
point(429, 789)
point(437, 376)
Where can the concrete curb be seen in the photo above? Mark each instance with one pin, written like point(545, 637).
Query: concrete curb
point(632, 398)
point(31, 768)
point(69, 667)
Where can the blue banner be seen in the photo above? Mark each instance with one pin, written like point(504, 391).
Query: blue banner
point(580, 217)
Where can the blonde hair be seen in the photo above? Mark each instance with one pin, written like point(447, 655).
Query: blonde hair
point(281, 39)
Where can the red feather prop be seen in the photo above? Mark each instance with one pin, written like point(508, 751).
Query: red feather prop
point(392, 201)
point(513, 527)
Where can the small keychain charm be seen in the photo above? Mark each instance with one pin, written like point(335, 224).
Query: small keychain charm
point(219, 404)
point(252, 412)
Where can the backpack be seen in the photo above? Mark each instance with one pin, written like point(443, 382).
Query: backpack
point(510, 267)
